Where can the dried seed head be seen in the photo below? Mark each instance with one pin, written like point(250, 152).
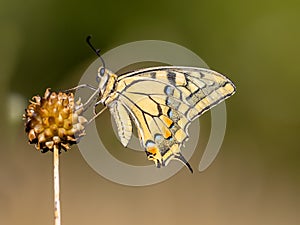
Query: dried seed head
point(54, 119)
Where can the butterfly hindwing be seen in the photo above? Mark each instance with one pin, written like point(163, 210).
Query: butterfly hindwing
point(122, 121)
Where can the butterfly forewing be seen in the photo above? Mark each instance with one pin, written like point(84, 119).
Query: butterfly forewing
point(162, 102)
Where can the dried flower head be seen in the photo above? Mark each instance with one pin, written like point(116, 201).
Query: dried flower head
point(54, 120)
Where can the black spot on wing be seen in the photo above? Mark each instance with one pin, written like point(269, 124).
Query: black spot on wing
point(201, 74)
point(169, 112)
point(171, 77)
point(159, 109)
point(153, 75)
point(160, 112)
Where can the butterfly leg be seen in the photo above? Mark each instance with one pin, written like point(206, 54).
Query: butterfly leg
point(94, 107)
point(95, 113)
point(87, 104)
point(81, 86)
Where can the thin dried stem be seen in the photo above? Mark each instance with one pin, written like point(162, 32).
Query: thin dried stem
point(57, 215)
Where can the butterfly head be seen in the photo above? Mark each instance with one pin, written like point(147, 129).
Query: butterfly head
point(102, 78)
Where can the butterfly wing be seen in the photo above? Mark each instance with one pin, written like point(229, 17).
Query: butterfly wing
point(123, 122)
point(163, 101)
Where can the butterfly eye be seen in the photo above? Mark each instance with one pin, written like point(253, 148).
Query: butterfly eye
point(102, 71)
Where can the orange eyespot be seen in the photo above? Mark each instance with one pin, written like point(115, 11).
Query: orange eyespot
point(152, 150)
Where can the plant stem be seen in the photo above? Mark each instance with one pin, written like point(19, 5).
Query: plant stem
point(57, 215)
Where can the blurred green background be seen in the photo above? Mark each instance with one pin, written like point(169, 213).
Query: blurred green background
point(255, 178)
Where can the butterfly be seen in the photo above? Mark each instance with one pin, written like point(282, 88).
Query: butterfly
point(161, 102)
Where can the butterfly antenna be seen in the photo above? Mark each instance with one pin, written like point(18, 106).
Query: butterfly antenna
point(97, 51)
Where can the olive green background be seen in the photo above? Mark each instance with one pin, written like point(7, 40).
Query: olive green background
point(255, 178)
